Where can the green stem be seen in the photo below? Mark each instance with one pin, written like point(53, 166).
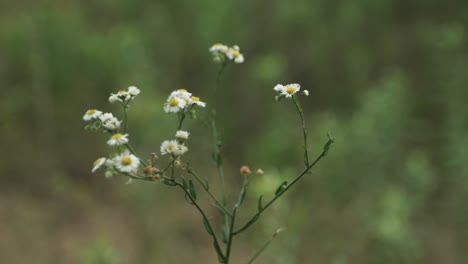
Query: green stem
point(181, 120)
point(304, 132)
point(216, 141)
point(261, 250)
point(134, 153)
point(125, 117)
point(233, 218)
point(219, 204)
point(304, 172)
point(231, 229)
point(215, 240)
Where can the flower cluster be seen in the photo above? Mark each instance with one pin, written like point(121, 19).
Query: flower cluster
point(121, 161)
point(124, 96)
point(223, 54)
point(181, 100)
point(176, 146)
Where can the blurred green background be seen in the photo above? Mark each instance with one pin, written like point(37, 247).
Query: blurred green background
point(387, 78)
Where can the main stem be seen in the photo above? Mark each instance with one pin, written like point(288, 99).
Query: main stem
point(233, 218)
point(217, 143)
point(216, 139)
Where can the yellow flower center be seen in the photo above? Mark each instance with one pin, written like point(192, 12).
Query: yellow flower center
point(126, 161)
point(122, 92)
point(194, 98)
point(96, 162)
point(91, 112)
point(182, 91)
point(235, 53)
point(173, 102)
point(117, 136)
point(290, 90)
point(170, 148)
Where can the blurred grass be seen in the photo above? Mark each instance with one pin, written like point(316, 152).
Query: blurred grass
point(387, 78)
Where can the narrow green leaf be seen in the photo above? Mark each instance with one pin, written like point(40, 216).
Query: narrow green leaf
point(169, 182)
point(221, 258)
point(225, 233)
point(193, 193)
point(184, 183)
point(207, 227)
point(243, 193)
point(260, 206)
point(281, 188)
point(207, 184)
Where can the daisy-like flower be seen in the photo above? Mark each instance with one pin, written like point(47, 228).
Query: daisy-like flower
point(182, 94)
point(218, 47)
point(109, 122)
point(122, 96)
point(133, 91)
point(173, 147)
point(118, 139)
point(91, 114)
point(234, 54)
point(196, 100)
point(174, 104)
point(287, 90)
point(182, 135)
point(126, 162)
point(98, 164)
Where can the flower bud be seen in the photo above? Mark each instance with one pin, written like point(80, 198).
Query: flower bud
point(305, 92)
point(259, 172)
point(245, 170)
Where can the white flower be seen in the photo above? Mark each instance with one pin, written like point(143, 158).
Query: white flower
point(287, 90)
point(122, 97)
point(109, 122)
point(196, 100)
point(181, 94)
point(174, 104)
point(173, 147)
point(182, 135)
point(98, 164)
point(133, 91)
point(218, 47)
point(126, 162)
point(118, 139)
point(234, 54)
point(91, 114)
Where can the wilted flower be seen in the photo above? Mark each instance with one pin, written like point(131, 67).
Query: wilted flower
point(245, 170)
point(91, 114)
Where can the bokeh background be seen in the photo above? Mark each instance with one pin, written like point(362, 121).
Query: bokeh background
point(387, 78)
